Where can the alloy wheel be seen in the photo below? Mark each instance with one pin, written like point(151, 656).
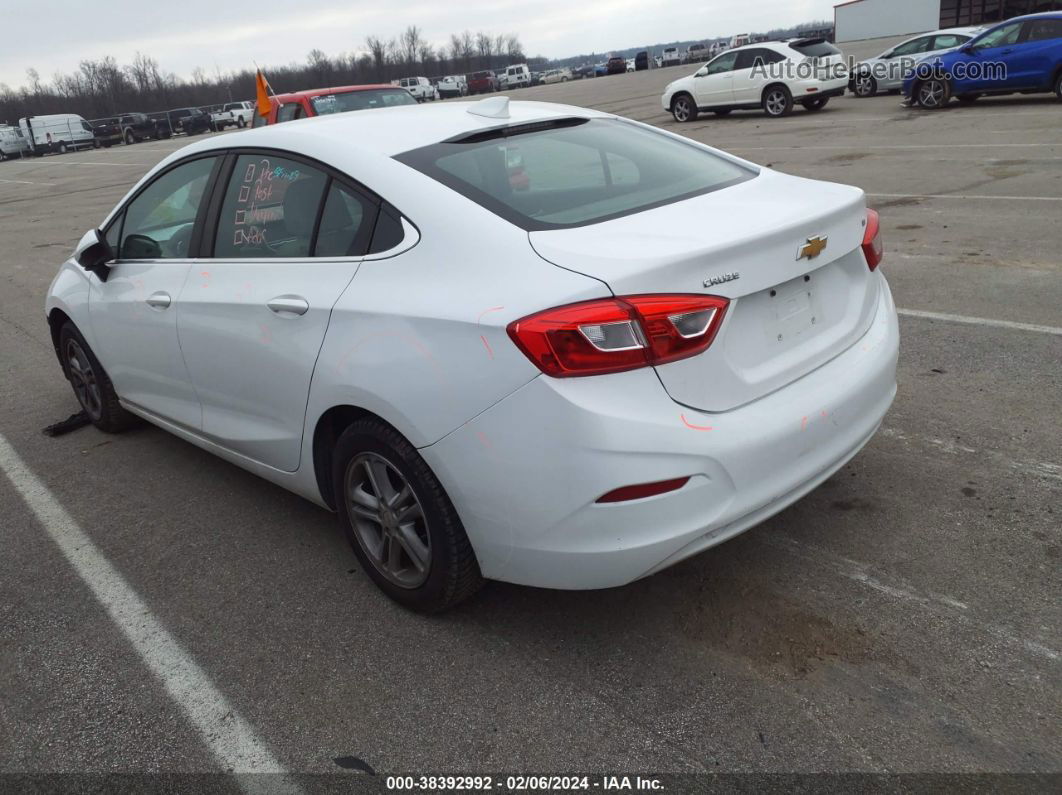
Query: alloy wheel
point(931, 93)
point(776, 102)
point(83, 380)
point(864, 85)
point(389, 522)
point(681, 109)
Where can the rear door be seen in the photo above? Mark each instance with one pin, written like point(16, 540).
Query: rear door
point(752, 73)
point(289, 238)
point(1038, 53)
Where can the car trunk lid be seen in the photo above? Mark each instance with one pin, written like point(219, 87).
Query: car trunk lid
point(788, 314)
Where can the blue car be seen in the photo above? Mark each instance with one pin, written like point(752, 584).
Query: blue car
point(1020, 56)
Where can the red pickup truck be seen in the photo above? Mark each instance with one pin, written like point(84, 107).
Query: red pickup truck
point(485, 82)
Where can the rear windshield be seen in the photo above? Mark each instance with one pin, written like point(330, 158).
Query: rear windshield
point(481, 75)
point(574, 172)
point(361, 100)
point(814, 48)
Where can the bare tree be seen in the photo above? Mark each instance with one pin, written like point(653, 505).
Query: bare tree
point(484, 48)
point(468, 48)
point(378, 52)
point(411, 42)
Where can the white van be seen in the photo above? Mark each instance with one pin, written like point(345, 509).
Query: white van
point(420, 87)
point(12, 144)
point(58, 132)
point(516, 76)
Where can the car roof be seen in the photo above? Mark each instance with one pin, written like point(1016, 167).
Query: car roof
point(317, 92)
point(390, 131)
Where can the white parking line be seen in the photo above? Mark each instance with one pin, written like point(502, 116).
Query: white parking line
point(938, 603)
point(980, 321)
point(84, 163)
point(878, 147)
point(26, 182)
point(232, 740)
point(966, 197)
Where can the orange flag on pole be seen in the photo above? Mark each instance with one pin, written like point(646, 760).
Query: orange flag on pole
point(263, 93)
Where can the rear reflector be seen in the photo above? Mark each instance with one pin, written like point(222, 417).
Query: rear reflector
point(643, 490)
point(873, 246)
point(611, 335)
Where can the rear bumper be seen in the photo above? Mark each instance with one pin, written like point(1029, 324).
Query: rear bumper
point(525, 475)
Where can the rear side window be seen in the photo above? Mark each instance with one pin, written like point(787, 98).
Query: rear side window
point(270, 208)
point(947, 42)
point(814, 48)
point(346, 224)
point(574, 172)
point(361, 100)
point(288, 112)
point(1044, 29)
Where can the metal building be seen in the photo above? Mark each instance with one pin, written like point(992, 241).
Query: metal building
point(871, 19)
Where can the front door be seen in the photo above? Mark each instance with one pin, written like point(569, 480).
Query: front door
point(253, 316)
point(713, 84)
point(134, 312)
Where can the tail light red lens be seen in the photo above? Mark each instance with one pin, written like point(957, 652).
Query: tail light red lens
point(611, 335)
point(873, 245)
point(643, 490)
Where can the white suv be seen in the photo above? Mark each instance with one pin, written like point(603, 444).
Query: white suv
point(671, 57)
point(772, 75)
point(420, 87)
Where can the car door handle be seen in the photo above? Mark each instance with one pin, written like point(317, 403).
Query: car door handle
point(159, 300)
point(289, 305)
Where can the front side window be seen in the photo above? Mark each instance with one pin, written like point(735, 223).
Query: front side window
point(361, 100)
point(1001, 36)
point(159, 221)
point(269, 209)
point(575, 171)
point(724, 63)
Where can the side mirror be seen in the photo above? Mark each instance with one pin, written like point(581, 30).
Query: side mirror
point(969, 49)
point(93, 252)
point(701, 72)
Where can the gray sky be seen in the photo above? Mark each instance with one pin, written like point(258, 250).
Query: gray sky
point(182, 34)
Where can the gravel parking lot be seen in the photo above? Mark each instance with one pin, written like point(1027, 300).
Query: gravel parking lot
point(904, 617)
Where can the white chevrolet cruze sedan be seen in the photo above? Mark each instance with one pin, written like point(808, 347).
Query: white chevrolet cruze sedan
point(516, 341)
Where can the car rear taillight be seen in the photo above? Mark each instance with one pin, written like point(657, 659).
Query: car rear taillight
point(873, 246)
point(611, 335)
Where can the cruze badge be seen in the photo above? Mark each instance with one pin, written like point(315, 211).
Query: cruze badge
point(711, 281)
point(812, 247)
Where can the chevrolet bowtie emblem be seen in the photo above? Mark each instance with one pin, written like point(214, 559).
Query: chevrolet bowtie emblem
point(812, 248)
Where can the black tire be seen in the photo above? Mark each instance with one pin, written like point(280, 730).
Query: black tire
point(451, 574)
point(932, 93)
point(96, 144)
point(1058, 85)
point(3, 156)
point(777, 101)
point(92, 387)
point(130, 139)
point(683, 108)
point(241, 123)
point(62, 147)
point(722, 112)
point(865, 86)
point(815, 105)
